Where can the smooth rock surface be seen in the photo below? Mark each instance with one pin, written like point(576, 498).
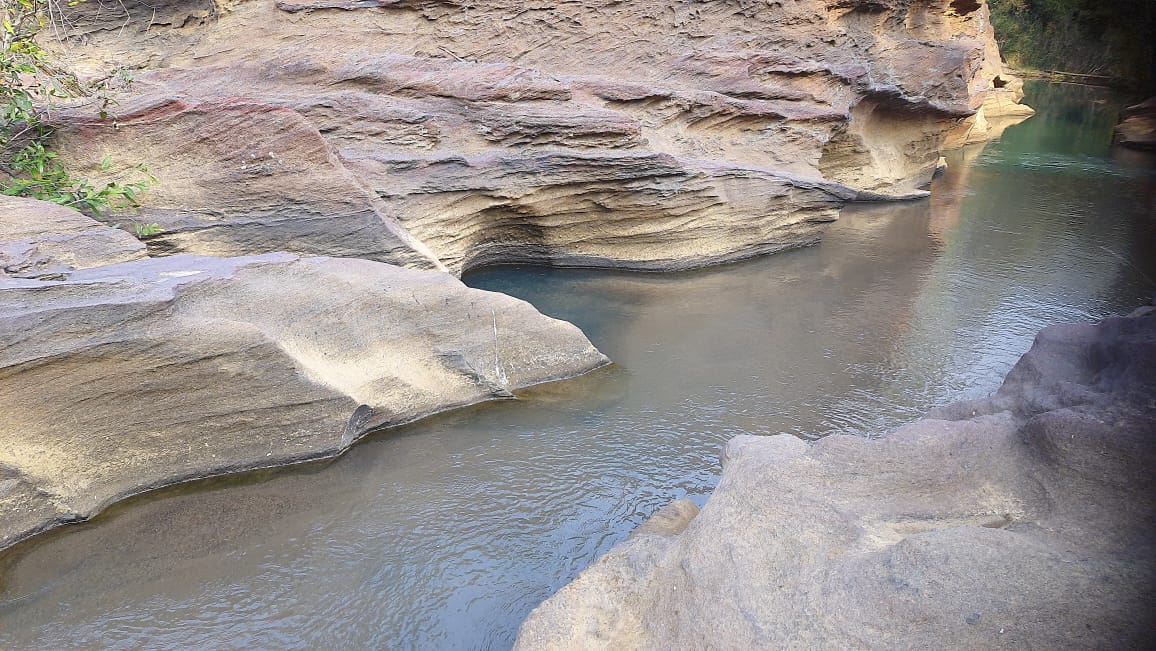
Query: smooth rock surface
point(1026, 520)
point(39, 239)
point(650, 135)
point(137, 375)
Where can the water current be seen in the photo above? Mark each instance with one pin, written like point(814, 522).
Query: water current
point(444, 534)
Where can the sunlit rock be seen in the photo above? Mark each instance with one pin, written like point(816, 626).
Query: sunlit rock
point(645, 135)
point(132, 376)
point(40, 239)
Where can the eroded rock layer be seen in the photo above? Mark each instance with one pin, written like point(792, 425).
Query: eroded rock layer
point(131, 376)
point(40, 239)
point(1026, 520)
point(446, 134)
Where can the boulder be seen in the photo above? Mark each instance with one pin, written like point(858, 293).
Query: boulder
point(137, 375)
point(40, 239)
point(768, 117)
point(1025, 520)
point(1137, 128)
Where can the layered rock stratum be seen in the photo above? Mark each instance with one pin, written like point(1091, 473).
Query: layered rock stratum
point(124, 377)
point(1024, 520)
point(321, 164)
point(449, 135)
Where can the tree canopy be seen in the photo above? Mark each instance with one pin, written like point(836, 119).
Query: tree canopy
point(1114, 39)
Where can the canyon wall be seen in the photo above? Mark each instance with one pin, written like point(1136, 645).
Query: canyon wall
point(443, 134)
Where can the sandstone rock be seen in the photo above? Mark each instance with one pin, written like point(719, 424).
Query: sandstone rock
point(637, 210)
point(86, 18)
point(132, 376)
point(235, 177)
point(809, 103)
point(1027, 520)
point(39, 239)
point(1137, 128)
point(1000, 109)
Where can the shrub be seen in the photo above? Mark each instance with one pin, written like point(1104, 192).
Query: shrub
point(29, 82)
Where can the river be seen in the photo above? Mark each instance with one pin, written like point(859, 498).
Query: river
point(445, 533)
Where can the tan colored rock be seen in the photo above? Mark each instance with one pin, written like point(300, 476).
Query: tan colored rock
point(854, 98)
point(1137, 128)
point(1027, 520)
point(137, 375)
point(40, 239)
point(637, 210)
point(996, 93)
point(235, 177)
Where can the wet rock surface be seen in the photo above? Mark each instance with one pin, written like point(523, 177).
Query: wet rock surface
point(132, 376)
point(1025, 520)
point(442, 134)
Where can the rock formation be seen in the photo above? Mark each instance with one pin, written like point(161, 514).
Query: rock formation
point(446, 134)
point(39, 239)
point(1137, 128)
point(130, 376)
point(436, 135)
point(1025, 520)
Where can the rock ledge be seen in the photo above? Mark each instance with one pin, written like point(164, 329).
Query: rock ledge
point(1026, 520)
point(127, 377)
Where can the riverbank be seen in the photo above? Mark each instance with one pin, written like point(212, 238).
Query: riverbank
point(465, 522)
point(1023, 519)
point(121, 373)
point(361, 148)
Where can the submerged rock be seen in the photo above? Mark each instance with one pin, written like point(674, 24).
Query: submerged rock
point(1024, 520)
point(440, 133)
point(133, 376)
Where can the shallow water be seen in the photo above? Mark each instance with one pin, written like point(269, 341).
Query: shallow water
point(446, 533)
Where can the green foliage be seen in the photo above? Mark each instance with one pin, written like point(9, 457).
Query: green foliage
point(146, 230)
point(1113, 39)
point(28, 81)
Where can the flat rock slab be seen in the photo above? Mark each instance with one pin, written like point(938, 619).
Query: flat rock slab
point(39, 239)
point(1027, 520)
point(137, 375)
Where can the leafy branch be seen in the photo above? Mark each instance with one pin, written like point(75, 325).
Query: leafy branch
point(29, 82)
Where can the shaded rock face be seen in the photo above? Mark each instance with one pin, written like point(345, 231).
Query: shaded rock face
point(1137, 128)
point(40, 239)
point(652, 135)
point(137, 375)
point(1026, 520)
